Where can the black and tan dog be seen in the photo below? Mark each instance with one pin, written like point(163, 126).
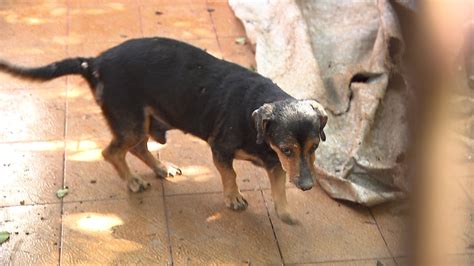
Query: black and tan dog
point(148, 86)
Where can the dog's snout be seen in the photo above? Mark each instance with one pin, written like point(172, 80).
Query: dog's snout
point(305, 183)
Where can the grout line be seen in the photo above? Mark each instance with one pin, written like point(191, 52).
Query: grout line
point(193, 193)
point(168, 232)
point(380, 232)
point(67, 202)
point(142, 196)
point(348, 260)
point(109, 199)
point(140, 19)
point(214, 29)
point(273, 228)
point(13, 142)
point(15, 87)
point(30, 205)
point(212, 192)
point(469, 195)
point(61, 232)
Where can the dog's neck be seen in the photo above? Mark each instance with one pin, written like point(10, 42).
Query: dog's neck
point(271, 93)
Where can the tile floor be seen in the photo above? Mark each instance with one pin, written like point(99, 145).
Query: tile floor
point(52, 134)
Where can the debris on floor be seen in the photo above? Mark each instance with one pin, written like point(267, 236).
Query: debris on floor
point(61, 193)
point(4, 236)
point(241, 40)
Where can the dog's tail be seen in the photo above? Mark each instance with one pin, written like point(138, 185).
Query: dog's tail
point(70, 66)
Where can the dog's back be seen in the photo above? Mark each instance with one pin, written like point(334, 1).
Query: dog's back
point(176, 79)
point(182, 85)
point(188, 88)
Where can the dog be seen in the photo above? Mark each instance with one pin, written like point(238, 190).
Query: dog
point(150, 85)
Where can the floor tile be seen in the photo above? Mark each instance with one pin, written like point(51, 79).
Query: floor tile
point(87, 3)
point(91, 49)
point(84, 116)
point(226, 23)
point(216, 1)
point(194, 158)
point(203, 231)
point(467, 184)
point(210, 45)
point(119, 232)
point(179, 21)
point(237, 53)
point(470, 169)
point(25, 24)
point(31, 172)
point(31, 56)
point(371, 262)
point(89, 177)
point(167, 2)
point(392, 220)
point(328, 230)
point(458, 224)
point(35, 235)
point(87, 125)
point(103, 22)
point(10, 3)
point(451, 260)
point(32, 114)
point(461, 231)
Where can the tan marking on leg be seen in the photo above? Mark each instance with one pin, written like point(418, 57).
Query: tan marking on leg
point(115, 155)
point(159, 168)
point(277, 178)
point(232, 196)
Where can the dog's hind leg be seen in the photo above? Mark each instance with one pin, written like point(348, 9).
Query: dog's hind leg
point(157, 130)
point(129, 129)
point(161, 169)
point(115, 154)
point(232, 196)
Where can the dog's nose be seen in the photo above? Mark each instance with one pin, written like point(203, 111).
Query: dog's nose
point(305, 183)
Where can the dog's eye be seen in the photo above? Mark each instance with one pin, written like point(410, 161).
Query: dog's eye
point(313, 148)
point(286, 151)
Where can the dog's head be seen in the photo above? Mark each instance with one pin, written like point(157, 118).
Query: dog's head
point(293, 129)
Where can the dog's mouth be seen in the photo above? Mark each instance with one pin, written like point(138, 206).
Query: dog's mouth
point(305, 183)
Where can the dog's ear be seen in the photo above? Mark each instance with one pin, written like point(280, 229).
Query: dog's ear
point(261, 117)
point(322, 123)
point(322, 115)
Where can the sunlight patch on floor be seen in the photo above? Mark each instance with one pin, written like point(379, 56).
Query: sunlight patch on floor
point(101, 227)
point(93, 222)
point(214, 217)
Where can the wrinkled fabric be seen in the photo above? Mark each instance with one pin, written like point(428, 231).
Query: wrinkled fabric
point(348, 56)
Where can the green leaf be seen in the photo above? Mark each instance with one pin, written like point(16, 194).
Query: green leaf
point(62, 192)
point(4, 236)
point(240, 40)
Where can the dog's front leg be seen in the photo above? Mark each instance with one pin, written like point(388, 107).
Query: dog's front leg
point(277, 178)
point(232, 196)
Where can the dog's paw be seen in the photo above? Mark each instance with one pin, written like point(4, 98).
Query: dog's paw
point(286, 217)
point(136, 184)
point(173, 170)
point(168, 171)
point(236, 202)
